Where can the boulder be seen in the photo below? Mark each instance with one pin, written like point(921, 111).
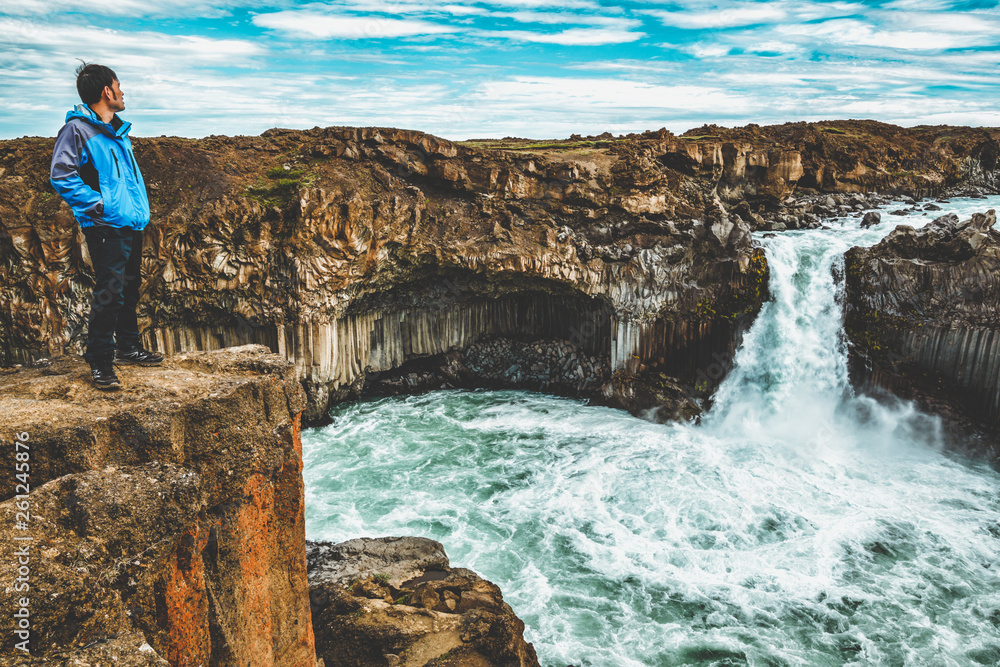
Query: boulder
point(397, 601)
point(943, 240)
point(871, 219)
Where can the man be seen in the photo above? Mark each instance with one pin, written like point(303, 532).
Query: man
point(94, 170)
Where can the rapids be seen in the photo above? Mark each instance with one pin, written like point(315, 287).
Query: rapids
point(797, 524)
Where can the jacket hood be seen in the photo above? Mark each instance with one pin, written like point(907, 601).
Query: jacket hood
point(84, 112)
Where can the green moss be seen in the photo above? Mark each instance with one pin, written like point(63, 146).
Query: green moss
point(876, 332)
point(744, 299)
point(539, 145)
point(282, 173)
point(283, 186)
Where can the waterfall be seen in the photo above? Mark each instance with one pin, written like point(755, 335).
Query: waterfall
point(801, 523)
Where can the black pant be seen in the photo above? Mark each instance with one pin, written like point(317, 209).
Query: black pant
point(117, 256)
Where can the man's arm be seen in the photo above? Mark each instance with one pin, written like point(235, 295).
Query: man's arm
point(68, 158)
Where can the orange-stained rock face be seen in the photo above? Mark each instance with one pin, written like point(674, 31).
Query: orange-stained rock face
point(185, 603)
point(178, 520)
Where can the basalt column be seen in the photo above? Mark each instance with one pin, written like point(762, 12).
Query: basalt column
point(922, 313)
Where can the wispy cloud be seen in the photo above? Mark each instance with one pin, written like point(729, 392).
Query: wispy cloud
point(105, 42)
point(851, 32)
point(312, 25)
point(736, 15)
point(594, 93)
point(568, 37)
point(202, 8)
point(571, 18)
point(334, 23)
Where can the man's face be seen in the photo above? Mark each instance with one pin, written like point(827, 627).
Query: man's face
point(114, 96)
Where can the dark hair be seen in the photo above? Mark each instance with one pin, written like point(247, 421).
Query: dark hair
point(91, 80)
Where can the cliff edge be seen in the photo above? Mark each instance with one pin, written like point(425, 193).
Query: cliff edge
point(160, 524)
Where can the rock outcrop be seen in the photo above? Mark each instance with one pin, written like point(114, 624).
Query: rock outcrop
point(165, 520)
point(354, 251)
point(922, 314)
point(853, 156)
point(396, 601)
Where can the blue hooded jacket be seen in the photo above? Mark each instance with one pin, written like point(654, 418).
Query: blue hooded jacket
point(94, 170)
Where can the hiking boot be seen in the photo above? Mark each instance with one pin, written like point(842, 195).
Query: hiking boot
point(103, 374)
point(138, 356)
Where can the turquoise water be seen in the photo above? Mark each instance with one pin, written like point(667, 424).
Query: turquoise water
point(799, 524)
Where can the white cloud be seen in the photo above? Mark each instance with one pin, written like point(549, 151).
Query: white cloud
point(773, 46)
point(804, 79)
point(626, 66)
point(313, 25)
point(389, 7)
point(729, 17)
point(557, 18)
point(200, 8)
point(601, 93)
point(944, 22)
point(853, 32)
point(112, 45)
point(569, 37)
point(536, 4)
point(909, 5)
point(705, 50)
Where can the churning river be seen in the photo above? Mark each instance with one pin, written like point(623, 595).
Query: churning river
point(798, 524)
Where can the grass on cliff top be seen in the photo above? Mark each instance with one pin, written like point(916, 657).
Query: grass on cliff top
point(525, 145)
point(284, 184)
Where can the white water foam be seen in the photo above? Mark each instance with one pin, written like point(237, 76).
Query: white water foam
point(798, 525)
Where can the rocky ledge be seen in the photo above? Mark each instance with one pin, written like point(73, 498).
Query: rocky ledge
point(166, 520)
point(396, 601)
point(922, 314)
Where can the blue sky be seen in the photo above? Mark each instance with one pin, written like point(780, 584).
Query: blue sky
point(529, 68)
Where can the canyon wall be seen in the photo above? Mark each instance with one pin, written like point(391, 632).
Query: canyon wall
point(352, 251)
point(922, 313)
